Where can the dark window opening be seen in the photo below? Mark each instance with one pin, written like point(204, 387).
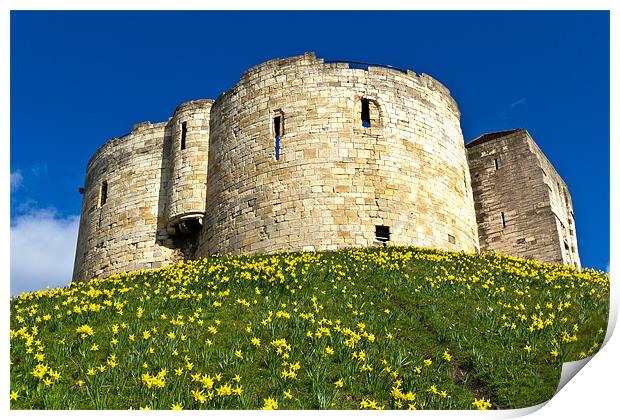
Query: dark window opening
point(189, 227)
point(365, 112)
point(382, 233)
point(566, 245)
point(277, 130)
point(495, 161)
point(503, 220)
point(103, 196)
point(183, 134)
point(451, 239)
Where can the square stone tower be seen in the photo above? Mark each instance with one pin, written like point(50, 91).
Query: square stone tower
point(523, 207)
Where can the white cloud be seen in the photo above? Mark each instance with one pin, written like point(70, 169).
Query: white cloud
point(519, 103)
point(42, 250)
point(16, 180)
point(517, 110)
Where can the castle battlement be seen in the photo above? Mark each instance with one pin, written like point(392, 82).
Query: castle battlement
point(308, 154)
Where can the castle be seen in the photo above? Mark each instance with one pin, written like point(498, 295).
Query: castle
point(307, 154)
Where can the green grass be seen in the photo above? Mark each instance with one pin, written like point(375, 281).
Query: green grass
point(401, 327)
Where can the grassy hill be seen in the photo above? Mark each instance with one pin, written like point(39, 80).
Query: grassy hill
point(395, 327)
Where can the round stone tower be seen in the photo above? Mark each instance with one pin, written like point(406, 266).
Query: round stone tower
point(311, 155)
point(189, 147)
point(122, 207)
point(144, 196)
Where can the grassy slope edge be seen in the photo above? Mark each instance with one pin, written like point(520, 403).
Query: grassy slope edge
point(393, 327)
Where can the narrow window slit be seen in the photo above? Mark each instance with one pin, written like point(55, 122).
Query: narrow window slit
point(183, 134)
point(503, 220)
point(365, 112)
point(496, 165)
point(277, 129)
point(103, 195)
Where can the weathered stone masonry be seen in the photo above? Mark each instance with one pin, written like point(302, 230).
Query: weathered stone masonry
point(335, 180)
point(119, 234)
point(304, 154)
point(523, 207)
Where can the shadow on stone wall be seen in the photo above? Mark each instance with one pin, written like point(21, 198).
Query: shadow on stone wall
point(184, 236)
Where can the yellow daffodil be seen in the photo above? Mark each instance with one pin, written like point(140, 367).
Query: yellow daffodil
point(270, 404)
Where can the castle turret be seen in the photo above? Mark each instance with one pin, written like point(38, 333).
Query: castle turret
point(122, 206)
point(313, 155)
point(144, 195)
point(189, 148)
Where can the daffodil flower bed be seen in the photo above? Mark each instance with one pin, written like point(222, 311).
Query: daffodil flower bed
point(361, 328)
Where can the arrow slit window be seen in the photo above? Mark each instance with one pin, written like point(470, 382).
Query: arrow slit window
point(278, 131)
point(183, 134)
point(365, 113)
point(103, 193)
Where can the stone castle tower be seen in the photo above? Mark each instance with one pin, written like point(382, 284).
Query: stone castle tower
point(306, 154)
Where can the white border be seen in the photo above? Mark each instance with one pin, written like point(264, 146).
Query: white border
point(592, 395)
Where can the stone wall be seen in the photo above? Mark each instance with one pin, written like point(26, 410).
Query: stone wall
point(561, 207)
point(335, 180)
point(120, 234)
point(522, 205)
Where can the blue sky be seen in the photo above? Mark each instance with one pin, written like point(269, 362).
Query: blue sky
point(80, 78)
